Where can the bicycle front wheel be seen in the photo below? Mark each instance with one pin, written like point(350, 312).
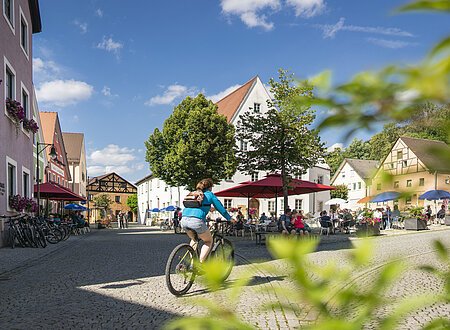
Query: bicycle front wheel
point(180, 272)
point(224, 252)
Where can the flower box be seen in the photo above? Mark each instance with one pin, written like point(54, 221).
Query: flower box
point(367, 229)
point(415, 224)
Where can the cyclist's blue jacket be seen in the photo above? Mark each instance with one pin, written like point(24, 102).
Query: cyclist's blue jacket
point(201, 212)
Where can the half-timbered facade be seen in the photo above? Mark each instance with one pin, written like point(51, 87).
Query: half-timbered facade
point(413, 166)
point(116, 188)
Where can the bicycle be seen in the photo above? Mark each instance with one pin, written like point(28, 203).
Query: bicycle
point(182, 264)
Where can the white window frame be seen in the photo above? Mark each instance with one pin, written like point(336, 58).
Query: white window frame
point(409, 183)
point(27, 109)
point(14, 163)
point(28, 172)
point(8, 65)
point(244, 145)
point(298, 202)
point(257, 107)
point(26, 50)
point(10, 24)
point(271, 206)
point(254, 177)
point(320, 179)
point(227, 203)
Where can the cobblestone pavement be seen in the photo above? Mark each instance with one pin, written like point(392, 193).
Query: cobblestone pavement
point(115, 279)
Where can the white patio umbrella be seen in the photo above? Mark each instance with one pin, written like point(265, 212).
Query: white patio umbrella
point(336, 201)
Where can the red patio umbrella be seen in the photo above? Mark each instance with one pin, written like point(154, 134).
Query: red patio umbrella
point(271, 187)
point(54, 191)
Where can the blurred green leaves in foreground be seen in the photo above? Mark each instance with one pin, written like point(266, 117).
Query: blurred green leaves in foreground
point(332, 294)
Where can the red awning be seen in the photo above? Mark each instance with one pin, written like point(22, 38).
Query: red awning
point(54, 191)
point(271, 187)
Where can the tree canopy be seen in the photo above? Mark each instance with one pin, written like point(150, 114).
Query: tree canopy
point(281, 139)
point(132, 203)
point(196, 142)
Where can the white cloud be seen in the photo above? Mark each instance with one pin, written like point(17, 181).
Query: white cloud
point(83, 26)
point(222, 94)
point(99, 12)
point(172, 93)
point(64, 92)
point(110, 45)
point(107, 92)
point(45, 70)
point(113, 158)
point(307, 8)
point(250, 11)
point(330, 30)
point(335, 146)
point(393, 44)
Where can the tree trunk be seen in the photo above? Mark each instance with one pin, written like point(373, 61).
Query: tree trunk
point(285, 182)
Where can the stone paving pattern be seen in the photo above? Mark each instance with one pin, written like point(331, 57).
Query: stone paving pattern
point(115, 279)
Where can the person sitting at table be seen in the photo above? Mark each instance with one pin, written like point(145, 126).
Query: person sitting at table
point(263, 218)
point(441, 212)
point(326, 222)
point(285, 225)
point(299, 225)
point(346, 220)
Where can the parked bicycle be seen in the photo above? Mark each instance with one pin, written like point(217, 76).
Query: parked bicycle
point(182, 265)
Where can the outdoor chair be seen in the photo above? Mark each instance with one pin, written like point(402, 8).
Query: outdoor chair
point(325, 226)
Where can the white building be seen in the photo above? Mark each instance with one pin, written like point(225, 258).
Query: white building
point(356, 175)
point(252, 96)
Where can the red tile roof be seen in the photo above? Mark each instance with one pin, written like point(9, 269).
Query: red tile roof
point(231, 103)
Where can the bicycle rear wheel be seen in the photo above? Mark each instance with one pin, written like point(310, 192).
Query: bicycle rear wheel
point(224, 252)
point(180, 272)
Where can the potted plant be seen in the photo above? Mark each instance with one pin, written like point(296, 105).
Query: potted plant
point(30, 125)
point(368, 225)
point(15, 111)
point(416, 220)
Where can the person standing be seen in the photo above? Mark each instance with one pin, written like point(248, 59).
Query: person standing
point(120, 220)
point(125, 219)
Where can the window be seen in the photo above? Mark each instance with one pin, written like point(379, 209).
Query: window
point(243, 145)
point(25, 184)
point(378, 186)
point(254, 176)
point(320, 179)
point(409, 183)
point(257, 107)
point(271, 206)
point(392, 165)
point(12, 179)
point(359, 185)
point(8, 11)
point(396, 184)
point(354, 185)
point(23, 34)
point(90, 197)
point(298, 204)
point(399, 154)
point(117, 199)
point(408, 200)
point(405, 163)
point(422, 182)
point(10, 83)
point(25, 103)
point(227, 203)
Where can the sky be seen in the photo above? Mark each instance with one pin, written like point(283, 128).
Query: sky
point(114, 70)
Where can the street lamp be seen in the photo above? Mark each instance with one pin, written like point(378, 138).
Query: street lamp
point(53, 156)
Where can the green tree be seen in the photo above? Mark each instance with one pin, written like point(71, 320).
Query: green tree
point(281, 139)
point(196, 142)
point(102, 202)
point(334, 159)
point(358, 149)
point(340, 192)
point(132, 203)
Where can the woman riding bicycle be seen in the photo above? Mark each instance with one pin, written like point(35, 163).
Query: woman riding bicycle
point(195, 218)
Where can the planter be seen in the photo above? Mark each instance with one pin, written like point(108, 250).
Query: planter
point(447, 220)
point(365, 229)
point(415, 224)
